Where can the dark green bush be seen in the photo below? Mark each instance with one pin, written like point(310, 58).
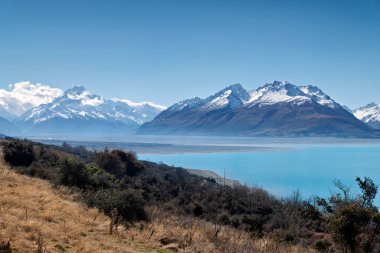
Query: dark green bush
point(129, 203)
point(73, 172)
point(99, 178)
point(119, 163)
point(18, 153)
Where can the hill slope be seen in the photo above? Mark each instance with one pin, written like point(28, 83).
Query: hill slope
point(31, 206)
point(33, 213)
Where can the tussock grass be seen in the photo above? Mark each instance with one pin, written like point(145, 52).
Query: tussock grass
point(36, 217)
point(188, 234)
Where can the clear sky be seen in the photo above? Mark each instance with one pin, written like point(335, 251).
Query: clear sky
point(164, 51)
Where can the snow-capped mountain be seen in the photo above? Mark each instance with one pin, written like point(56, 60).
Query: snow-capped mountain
point(23, 96)
point(284, 92)
point(232, 97)
point(275, 109)
point(369, 114)
point(79, 112)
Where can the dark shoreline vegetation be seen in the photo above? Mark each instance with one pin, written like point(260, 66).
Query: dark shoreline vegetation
point(123, 187)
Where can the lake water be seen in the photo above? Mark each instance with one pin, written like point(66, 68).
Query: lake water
point(309, 168)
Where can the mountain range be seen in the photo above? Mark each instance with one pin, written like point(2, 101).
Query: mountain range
point(275, 109)
point(77, 112)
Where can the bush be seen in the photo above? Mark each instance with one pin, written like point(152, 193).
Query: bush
point(41, 169)
point(129, 203)
point(322, 245)
point(119, 163)
point(18, 153)
point(73, 172)
point(99, 178)
point(352, 221)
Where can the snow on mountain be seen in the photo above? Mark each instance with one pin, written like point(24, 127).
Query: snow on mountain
point(284, 92)
point(369, 114)
point(79, 106)
point(22, 96)
point(231, 97)
point(236, 96)
point(275, 109)
point(142, 112)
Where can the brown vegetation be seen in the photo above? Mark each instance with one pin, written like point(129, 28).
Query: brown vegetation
point(153, 207)
point(35, 216)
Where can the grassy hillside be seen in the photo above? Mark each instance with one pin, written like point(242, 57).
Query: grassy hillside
point(112, 202)
point(35, 216)
point(34, 213)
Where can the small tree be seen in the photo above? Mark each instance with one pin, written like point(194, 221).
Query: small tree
point(353, 221)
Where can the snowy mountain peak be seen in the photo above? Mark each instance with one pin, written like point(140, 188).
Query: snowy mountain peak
point(275, 109)
point(186, 104)
point(284, 92)
point(282, 87)
point(235, 90)
point(279, 83)
point(235, 96)
point(81, 95)
point(232, 97)
point(76, 90)
point(237, 87)
point(318, 95)
point(77, 104)
point(277, 92)
point(369, 114)
point(370, 105)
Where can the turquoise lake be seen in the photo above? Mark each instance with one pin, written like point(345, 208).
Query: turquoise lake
point(311, 169)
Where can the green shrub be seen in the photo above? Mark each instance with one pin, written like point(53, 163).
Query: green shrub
point(73, 172)
point(18, 153)
point(129, 203)
point(119, 163)
point(99, 178)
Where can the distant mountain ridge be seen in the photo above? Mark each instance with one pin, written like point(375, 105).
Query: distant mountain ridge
point(275, 109)
point(77, 112)
point(370, 114)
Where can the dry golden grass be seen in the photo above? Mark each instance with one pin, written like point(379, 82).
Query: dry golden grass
point(38, 217)
point(33, 213)
point(195, 235)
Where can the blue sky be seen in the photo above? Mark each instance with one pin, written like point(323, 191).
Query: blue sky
point(165, 51)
